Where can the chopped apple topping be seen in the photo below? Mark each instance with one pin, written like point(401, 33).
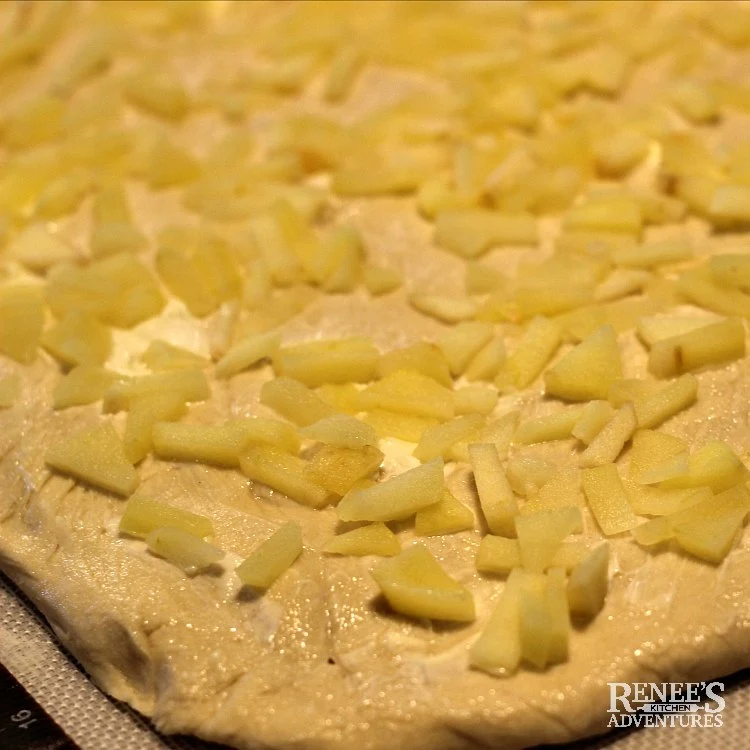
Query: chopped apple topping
point(447, 516)
point(373, 539)
point(188, 552)
point(607, 499)
point(496, 498)
point(588, 584)
point(272, 558)
point(142, 516)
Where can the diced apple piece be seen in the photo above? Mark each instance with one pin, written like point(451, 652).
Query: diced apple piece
point(496, 498)
point(475, 399)
point(486, 364)
point(444, 309)
point(631, 389)
point(650, 451)
point(713, 344)
point(283, 472)
point(715, 465)
point(556, 426)
point(559, 616)
point(699, 286)
point(161, 356)
point(188, 552)
point(38, 249)
point(652, 410)
point(563, 489)
point(612, 213)
point(654, 328)
point(540, 535)
point(447, 516)
point(380, 281)
point(462, 343)
point(593, 418)
point(732, 270)
point(498, 649)
point(656, 501)
point(622, 282)
point(471, 232)
point(619, 152)
point(78, 339)
point(730, 205)
point(587, 371)
point(21, 321)
point(421, 357)
point(248, 353)
point(608, 443)
point(338, 469)
point(588, 584)
point(343, 397)
point(142, 516)
point(570, 554)
point(498, 554)
point(295, 401)
point(402, 426)
point(373, 539)
point(653, 254)
point(527, 473)
point(82, 385)
point(481, 279)
point(397, 498)
point(437, 441)
point(342, 431)
point(96, 456)
point(533, 614)
point(273, 557)
point(416, 585)
point(190, 385)
point(144, 412)
point(655, 531)
point(219, 445)
point(607, 499)
point(157, 93)
point(407, 392)
point(535, 297)
point(337, 361)
point(10, 391)
point(534, 351)
point(710, 540)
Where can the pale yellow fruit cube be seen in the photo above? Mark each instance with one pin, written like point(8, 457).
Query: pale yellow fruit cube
point(730, 205)
point(143, 413)
point(622, 282)
point(498, 649)
point(617, 212)
point(699, 287)
point(710, 540)
point(142, 516)
point(647, 500)
point(732, 270)
point(587, 371)
point(407, 427)
point(650, 451)
point(21, 321)
point(594, 416)
point(262, 431)
point(379, 281)
point(38, 121)
point(273, 557)
point(63, 195)
point(481, 279)
point(159, 93)
point(188, 552)
point(498, 555)
point(407, 392)
point(190, 385)
point(619, 152)
point(78, 339)
point(342, 74)
point(712, 344)
point(610, 441)
point(373, 539)
point(541, 297)
point(540, 535)
point(95, 456)
point(652, 410)
point(337, 264)
point(694, 100)
point(714, 465)
point(247, 353)
point(535, 349)
point(343, 397)
point(654, 328)
point(415, 585)
point(462, 343)
point(338, 469)
point(161, 356)
point(588, 584)
point(342, 431)
point(437, 441)
point(444, 309)
point(653, 254)
point(607, 499)
point(559, 616)
point(561, 490)
point(447, 516)
point(476, 399)
point(336, 361)
point(219, 445)
point(496, 497)
point(39, 249)
point(283, 472)
point(527, 473)
point(295, 401)
point(84, 384)
point(569, 554)
point(486, 364)
point(471, 232)
point(397, 498)
point(534, 621)
point(423, 357)
point(653, 532)
point(556, 426)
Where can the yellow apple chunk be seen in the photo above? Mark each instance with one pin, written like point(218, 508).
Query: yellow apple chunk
point(339, 469)
point(219, 445)
point(447, 516)
point(561, 490)
point(161, 356)
point(95, 456)
point(496, 497)
point(423, 357)
point(498, 555)
point(408, 427)
point(295, 401)
point(592, 420)
point(341, 431)
point(610, 441)
point(540, 535)
point(437, 441)
point(397, 498)
point(652, 410)
point(528, 473)
point(38, 249)
point(656, 501)
point(587, 371)
point(78, 339)
point(497, 651)
point(373, 539)
point(84, 384)
point(534, 619)
point(588, 584)
point(144, 412)
point(406, 392)
point(190, 385)
point(475, 399)
point(607, 499)
point(415, 585)
point(142, 516)
point(472, 231)
point(247, 353)
point(486, 364)
point(655, 328)
point(272, 558)
point(656, 456)
point(283, 472)
point(715, 465)
point(556, 426)
point(188, 552)
point(21, 321)
point(462, 343)
point(558, 614)
point(535, 349)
